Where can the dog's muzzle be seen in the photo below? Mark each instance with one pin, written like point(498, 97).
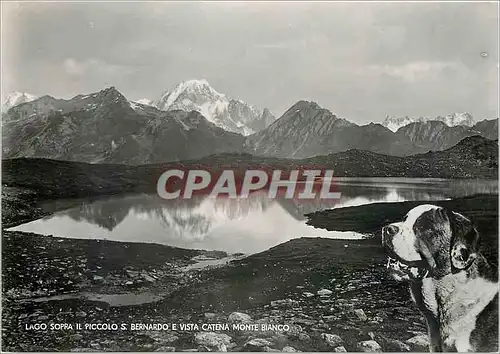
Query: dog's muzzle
point(402, 269)
point(410, 270)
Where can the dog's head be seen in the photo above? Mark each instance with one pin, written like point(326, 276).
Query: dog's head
point(429, 241)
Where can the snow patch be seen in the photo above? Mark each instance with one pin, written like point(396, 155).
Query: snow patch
point(16, 98)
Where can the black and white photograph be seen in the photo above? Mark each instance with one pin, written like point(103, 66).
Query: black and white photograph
point(249, 176)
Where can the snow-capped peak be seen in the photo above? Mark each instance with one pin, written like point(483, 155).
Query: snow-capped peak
point(15, 98)
point(454, 119)
point(189, 87)
point(451, 120)
point(197, 95)
point(145, 101)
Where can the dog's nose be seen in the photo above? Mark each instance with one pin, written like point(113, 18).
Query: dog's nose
point(390, 230)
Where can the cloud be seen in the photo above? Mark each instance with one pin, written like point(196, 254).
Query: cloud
point(93, 66)
point(416, 71)
point(74, 68)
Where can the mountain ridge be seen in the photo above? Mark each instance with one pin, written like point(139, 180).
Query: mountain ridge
point(105, 127)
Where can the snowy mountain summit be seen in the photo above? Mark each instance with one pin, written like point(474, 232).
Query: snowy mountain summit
point(15, 98)
point(451, 120)
point(229, 114)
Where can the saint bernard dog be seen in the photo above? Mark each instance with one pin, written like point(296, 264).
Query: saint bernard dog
point(453, 285)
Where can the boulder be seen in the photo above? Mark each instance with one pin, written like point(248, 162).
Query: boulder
point(369, 346)
point(324, 292)
point(239, 317)
point(419, 342)
point(332, 340)
point(209, 315)
point(340, 349)
point(257, 344)
point(395, 345)
point(360, 314)
point(213, 341)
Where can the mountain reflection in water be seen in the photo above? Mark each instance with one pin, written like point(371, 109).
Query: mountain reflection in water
point(234, 225)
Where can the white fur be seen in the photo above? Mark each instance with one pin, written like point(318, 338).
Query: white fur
point(462, 300)
point(404, 241)
point(429, 297)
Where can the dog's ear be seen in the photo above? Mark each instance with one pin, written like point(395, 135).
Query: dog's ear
point(464, 242)
point(426, 254)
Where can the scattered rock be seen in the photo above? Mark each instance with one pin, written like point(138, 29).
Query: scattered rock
point(81, 314)
point(213, 341)
point(209, 315)
point(166, 338)
point(332, 340)
point(76, 337)
point(239, 317)
point(419, 342)
point(369, 346)
point(340, 349)
point(324, 292)
point(285, 303)
point(257, 344)
point(148, 278)
point(303, 337)
point(132, 273)
point(395, 345)
point(360, 314)
point(308, 294)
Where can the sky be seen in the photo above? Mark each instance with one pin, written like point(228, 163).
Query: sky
point(362, 61)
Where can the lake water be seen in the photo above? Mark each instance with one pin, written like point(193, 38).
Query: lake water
point(234, 225)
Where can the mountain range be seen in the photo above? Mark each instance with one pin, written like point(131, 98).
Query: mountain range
point(307, 130)
point(106, 127)
point(193, 120)
point(451, 120)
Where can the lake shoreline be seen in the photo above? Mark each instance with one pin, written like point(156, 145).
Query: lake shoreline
point(331, 293)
